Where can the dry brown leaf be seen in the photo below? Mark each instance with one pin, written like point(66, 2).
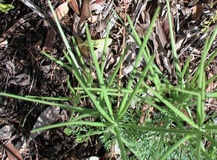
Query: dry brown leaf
point(197, 10)
point(83, 49)
point(47, 117)
point(184, 110)
point(50, 40)
point(12, 152)
point(74, 5)
point(62, 10)
point(161, 33)
point(85, 12)
point(93, 18)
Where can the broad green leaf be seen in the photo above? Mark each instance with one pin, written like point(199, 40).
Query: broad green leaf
point(99, 43)
point(84, 45)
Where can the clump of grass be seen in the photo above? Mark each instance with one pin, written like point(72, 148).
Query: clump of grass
point(168, 132)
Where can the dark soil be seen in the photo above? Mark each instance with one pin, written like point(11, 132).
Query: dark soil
point(26, 71)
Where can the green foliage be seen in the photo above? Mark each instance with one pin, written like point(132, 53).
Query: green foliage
point(5, 7)
point(173, 126)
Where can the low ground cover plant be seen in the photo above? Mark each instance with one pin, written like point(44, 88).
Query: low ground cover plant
point(152, 118)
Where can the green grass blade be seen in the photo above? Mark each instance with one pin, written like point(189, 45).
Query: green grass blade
point(123, 110)
point(99, 75)
point(134, 33)
point(75, 64)
point(213, 141)
point(203, 98)
point(198, 146)
point(211, 40)
point(139, 43)
point(95, 124)
point(80, 117)
point(161, 129)
point(210, 127)
point(141, 51)
point(117, 67)
point(77, 109)
point(201, 87)
point(120, 143)
point(58, 61)
point(69, 86)
point(80, 57)
point(172, 107)
point(172, 39)
point(213, 55)
point(50, 98)
point(68, 58)
point(105, 47)
point(211, 95)
point(211, 80)
point(186, 68)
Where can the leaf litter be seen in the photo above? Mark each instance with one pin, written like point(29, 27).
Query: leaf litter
point(26, 72)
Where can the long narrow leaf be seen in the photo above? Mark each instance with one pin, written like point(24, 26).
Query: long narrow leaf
point(120, 142)
point(77, 109)
point(173, 108)
point(141, 51)
point(198, 146)
point(96, 124)
point(69, 49)
point(161, 130)
point(99, 75)
point(172, 39)
point(123, 110)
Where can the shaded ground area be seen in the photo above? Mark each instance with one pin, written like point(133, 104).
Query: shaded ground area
point(25, 71)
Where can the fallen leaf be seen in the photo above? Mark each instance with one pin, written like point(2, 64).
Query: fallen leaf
point(83, 49)
point(93, 18)
point(74, 5)
point(97, 6)
point(12, 152)
point(6, 132)
point(160, 32)
point(47, 117)
point(62, 10)
point(85, 12)
point(197, 10)
point(50, 40)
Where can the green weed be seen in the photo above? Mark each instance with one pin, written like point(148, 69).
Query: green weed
point(175, 129)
